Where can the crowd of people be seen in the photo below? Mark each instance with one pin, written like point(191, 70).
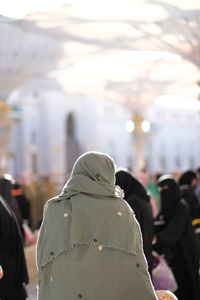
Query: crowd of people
point(101, 237)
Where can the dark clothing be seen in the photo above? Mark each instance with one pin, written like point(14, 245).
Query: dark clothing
point(138, 199)
point(187, 178)
point(6, 187)
point(188, 194)
point(24, 206)
point(197, 191)
point(196, 224)
point(176, 239)
point(12, 257)
point(143, 212)
point(170, 196)
point(6, 192)
point(23, 203)
point(187, 182)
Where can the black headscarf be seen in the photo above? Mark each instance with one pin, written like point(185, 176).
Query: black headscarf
point(23, 203)
point(170, 197)
point(6, 187)
point(187, 177)
point(130, 185)
point(187, 190)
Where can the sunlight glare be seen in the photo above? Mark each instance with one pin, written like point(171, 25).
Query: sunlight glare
point(174, 101)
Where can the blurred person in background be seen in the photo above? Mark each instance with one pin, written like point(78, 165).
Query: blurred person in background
point(187, 183)
point(197, 188)
point(175, 239)
point(196, 219)
point(138, 199)
point(13, 271)
point(23, 203)
point(90, 242)
point(196, 224)
point(38, 192)
point(144, 178)
point(6, 187)
point(153, 189)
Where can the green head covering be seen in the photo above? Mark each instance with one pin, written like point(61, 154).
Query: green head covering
point(93, 173)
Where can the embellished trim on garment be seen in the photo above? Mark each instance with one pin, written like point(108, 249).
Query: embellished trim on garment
point(196, 221)
point(99, 247)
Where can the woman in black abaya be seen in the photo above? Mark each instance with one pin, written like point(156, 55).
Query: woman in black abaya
point(187, 183)
point(12, 260)
point(176, 239)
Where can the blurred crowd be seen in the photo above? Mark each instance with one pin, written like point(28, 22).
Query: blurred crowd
point(167, 207)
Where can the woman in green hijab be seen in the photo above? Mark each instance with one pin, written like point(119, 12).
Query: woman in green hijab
point(89, 245)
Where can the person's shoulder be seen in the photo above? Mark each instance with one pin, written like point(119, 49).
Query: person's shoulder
point(51, 202)
point(185, 191)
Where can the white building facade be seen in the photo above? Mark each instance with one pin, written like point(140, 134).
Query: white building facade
point(173, 144)
point(51, 129)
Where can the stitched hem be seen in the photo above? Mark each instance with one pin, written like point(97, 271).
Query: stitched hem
point(83, 244)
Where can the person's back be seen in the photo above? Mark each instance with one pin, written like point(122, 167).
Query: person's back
point(90, 244)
